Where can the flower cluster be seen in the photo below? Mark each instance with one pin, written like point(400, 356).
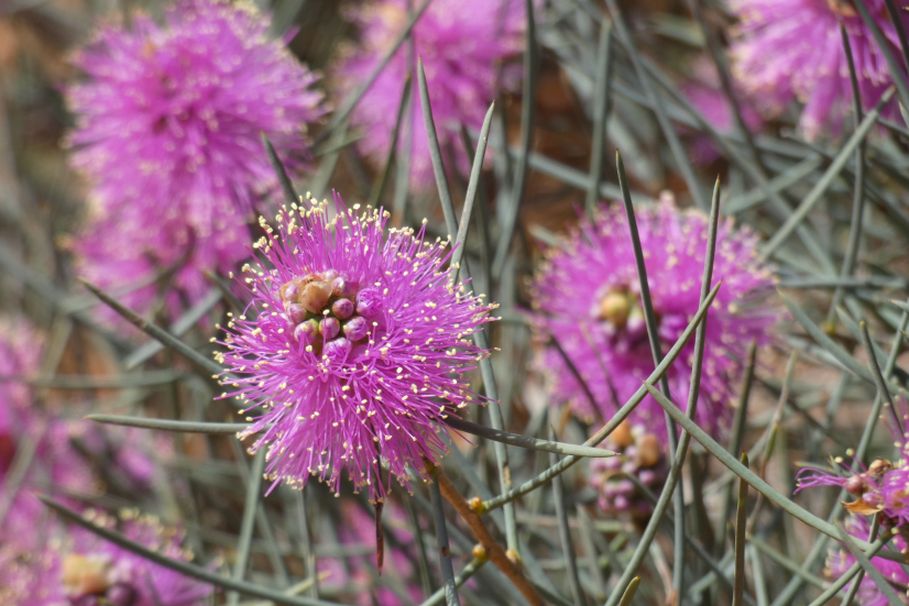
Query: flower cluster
point(463, 45)
point(76, 568)
point(793, 50)
point(881, 488)
point(586, 298)
point(353, 346)
point(641, 457)
point(168, 135)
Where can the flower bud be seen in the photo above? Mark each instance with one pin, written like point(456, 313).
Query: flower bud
point(296, 313)
point(290, 291)
point(368, 303)
point(329, 327)
point(338, 287)
point(621, 436)
point(306, 332)
point(649, 450)
point(342, 308)
point(648, 477)
point(315, 296)
point(84, 574)
point(615, 306)
point(855, 485)
point(356, 329)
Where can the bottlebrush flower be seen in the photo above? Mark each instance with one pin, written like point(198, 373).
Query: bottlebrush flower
point(76, 568)
point(878, 489)
point(792, 50)
point(352, 349)
point(641, 456)
point(463, 45)
point(586, 297)
point(169, 118)
point(839, 560)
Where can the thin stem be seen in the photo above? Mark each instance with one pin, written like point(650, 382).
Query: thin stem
point(493, 550)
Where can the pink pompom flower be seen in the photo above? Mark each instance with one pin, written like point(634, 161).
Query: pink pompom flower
point(353, 348)
point(464, 46)
point(169, 118)
point(792, 50)
point(586, 297)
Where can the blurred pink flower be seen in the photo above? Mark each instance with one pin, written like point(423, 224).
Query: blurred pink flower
point(786, 50)
point(463, 44)
point(77, 568)
point(641, 456)
point(53, 465)
point(57, 450)
point(839, 560)
point(586, 296)
point(169, 119)
point(706, 95)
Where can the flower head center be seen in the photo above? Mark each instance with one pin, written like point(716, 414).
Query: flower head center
point(88, 582)
point(328, 311)
point(619, 308)
point(640, 455)
point(85, 574)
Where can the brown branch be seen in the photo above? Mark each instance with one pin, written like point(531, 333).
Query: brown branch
point(494, 551)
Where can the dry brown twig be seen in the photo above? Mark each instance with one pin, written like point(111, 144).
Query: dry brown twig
point(493, 550)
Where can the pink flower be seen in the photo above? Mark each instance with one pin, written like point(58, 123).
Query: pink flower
point(62, 450)
point(641, 457)
point(881, 488)
point(169, 119)
point(705, 94)
point(353, 348)
point(77, 568)
point(55, 466)
point(463, 45)
point(786, 50)
point(839, 560)
point(586, 296)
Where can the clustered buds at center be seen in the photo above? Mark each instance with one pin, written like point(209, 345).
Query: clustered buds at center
point(620, 310)
point(88, 580)
point(325, 311)
point(641, 457)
